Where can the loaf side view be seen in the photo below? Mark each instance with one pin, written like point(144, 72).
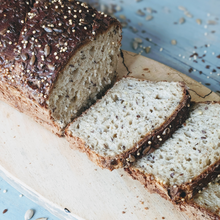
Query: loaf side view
point(66, 56)
point(186, 162)
point(133, 119)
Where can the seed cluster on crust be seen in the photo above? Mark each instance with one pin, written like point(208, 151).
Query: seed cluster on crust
point(12, 18)
point(54, 30)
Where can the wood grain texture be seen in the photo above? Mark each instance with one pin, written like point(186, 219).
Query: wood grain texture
point(43, 166)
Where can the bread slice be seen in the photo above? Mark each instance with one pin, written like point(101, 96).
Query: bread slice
point(186, 162)
point(206, 204)
point(66, 56)
point(132, 119)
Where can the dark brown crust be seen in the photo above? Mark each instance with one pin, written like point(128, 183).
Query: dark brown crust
point(142, 147)
point(197, 212)
point(22, 93)
point(12, 18)
point(178, 193)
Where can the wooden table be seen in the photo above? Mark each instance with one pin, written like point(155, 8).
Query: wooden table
point(192, 39)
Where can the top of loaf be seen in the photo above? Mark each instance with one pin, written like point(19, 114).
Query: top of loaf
point(12, 18)
point(54, 31)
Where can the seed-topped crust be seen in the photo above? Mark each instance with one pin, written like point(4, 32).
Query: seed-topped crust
point(12, 18)
point(54, 31)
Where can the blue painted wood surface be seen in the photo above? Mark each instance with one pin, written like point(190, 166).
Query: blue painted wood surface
point(195, 55)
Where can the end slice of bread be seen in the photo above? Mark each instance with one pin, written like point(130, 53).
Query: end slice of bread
point(188, 161)
point(133, 119)
point(206, 204)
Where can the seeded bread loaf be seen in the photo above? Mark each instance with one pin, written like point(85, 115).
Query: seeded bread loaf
point(66, 55)
point(133, 118)
point(206, 204)
point(186, 162)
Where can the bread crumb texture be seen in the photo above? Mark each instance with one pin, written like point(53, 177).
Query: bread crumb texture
point(190, 151)
point(129, 111)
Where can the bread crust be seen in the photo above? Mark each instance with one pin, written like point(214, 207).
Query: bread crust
point(177, 193)
point(142, 147)
point(197, 212)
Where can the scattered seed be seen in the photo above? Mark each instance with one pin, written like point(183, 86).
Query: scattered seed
point(67, 210)
point(4, 211)
point(141, 13)
point(205, 26)
point(188, 14)
point(122, 17)
point(20, 195)
point(135, 45)
point(161, 49)
point(173, 42)
point(118, 8)
point(199, 21)
point(5, 190)
point(149, 17)
point(205, 33)
point(149, 10)
point(211, 22)
point(181, 8)
point(29, 214)
point(41, 218)
point(181, 20)
point(124, 24)
point(147, 49)
point(138, 40)
point(134, 29)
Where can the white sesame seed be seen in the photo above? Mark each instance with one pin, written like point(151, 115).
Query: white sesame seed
point(180, 55)
point(208, 14)
point(210, 73)
point(34, 32)
point(205, 33)
point(55, 53)
point(161, 49)
point(213, 53)
point(85, 28)
point(22, 21)
point(205, 26)
point(205, 51)
point(93, 32)
point(207, 77)
point(75, 16)
point(5, 190)
point(73, 30)
point(56, 57)
point(194, 70)
point(60, 24)
point(189, 58)
point(10, 42)
point(183, 57)
point(20, 195)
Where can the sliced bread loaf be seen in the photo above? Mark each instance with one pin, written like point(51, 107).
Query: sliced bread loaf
point(186, 162)
point(66, 56)
point(206, 204)
point(132, 119)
